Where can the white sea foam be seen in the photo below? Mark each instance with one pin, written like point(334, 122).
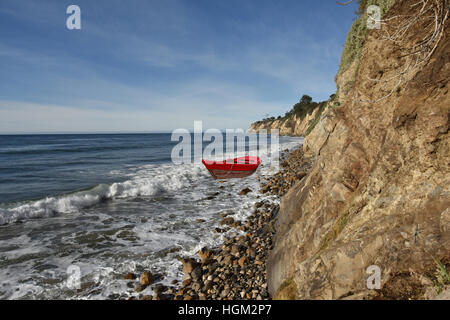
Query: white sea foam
point(149, 180)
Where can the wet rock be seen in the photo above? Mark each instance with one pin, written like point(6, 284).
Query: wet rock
point(196, 273)
point(130, 276)
point(189, 265)
point(227, 221)
point(158, 296)
point(236, 224)
point(212, 195)
point(245, 191)
point(204, 253)
point(159, 288)
point(219, 230)
point(265, 189)
point(139, 288)
point(146, 279)
point(186, 282)
point(226, 214)
point(173, 250)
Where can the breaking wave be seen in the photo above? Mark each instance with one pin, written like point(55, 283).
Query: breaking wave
point(149, 180)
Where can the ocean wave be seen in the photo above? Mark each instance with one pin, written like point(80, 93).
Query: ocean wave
point(50, 149)
point(150, 180)
point(147, 180)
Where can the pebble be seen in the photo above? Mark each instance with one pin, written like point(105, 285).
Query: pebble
point(129, 276)
point(146, 279)
point(227, 221)
point(139, 288)
point(245, 191)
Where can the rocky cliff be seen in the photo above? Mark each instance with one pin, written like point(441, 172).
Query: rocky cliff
point(378, 193)
point(294, 126)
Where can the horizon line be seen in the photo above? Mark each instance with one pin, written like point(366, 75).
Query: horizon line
point(101, 132)
point(82, 132)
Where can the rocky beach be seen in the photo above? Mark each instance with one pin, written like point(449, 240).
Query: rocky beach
point(237, 269)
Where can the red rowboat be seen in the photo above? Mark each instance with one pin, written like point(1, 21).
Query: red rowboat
point(233, 168)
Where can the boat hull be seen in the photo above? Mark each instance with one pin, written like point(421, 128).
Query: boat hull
point(233, 168)
point(225, 174)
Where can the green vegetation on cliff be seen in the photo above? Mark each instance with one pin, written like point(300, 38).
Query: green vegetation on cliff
point(301, 109)
point(287, 290)
point(306, 106)
point(357, 35)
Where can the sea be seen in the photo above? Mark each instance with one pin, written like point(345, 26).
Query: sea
point(79, 211)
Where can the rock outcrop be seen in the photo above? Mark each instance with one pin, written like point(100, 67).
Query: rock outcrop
point(379, 190)
point(295, 126)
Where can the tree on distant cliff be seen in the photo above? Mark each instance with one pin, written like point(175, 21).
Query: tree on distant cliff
point(306, 99)
point(304, 106)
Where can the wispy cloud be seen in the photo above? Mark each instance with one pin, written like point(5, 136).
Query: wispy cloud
point(28, 117)
point(163, 64)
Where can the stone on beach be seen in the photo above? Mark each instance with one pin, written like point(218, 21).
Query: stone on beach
point(227, 221)
point(189, 265)
point(129, 276)
point(146, 279)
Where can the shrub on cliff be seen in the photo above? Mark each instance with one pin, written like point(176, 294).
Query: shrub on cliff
point(304, 106)
point(358, 32)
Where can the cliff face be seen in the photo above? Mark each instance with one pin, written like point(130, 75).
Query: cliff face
point(295, 126)
point(379, 190)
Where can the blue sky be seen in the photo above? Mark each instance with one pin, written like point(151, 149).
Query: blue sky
point(160, 65)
